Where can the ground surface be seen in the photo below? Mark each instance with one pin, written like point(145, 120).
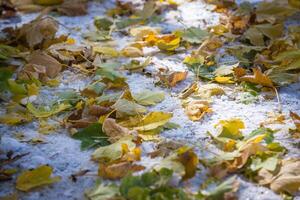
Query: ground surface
point(63, 153)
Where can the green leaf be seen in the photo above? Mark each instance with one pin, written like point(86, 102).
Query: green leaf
point(109, 71)
point(151, 185)
point(5, 75)
point(103, 24)
point(102, 192)
point(97, 35)
point(69, 96)
point(148, 98)
point(230, 185)
point(260, 131)
point(194, 35)
point(16, 88)
point(92, 136)
point(125, 22)
point(268, 163)
point(94, 89)
point(128, 107)
point(7, 51)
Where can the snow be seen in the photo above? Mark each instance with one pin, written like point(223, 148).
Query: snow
point(63, 153)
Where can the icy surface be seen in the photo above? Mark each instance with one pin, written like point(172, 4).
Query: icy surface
point(64, 154)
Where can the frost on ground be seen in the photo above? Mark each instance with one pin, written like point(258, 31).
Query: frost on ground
point(63, 153)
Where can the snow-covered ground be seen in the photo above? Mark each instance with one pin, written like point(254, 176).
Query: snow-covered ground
point(63, 153)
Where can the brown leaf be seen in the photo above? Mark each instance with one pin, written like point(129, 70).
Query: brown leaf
point(172, 78)
point(73, 8)
point(114, 130)
point(40, 66)
point(165, 148)
point(258, 78)
point(288, 178)
point(38, 31)
point(98, 111)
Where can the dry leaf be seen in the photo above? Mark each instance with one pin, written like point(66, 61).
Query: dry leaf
point(258, 78)
point(38, 31)
point(172, 78)
point(196, 109)
point(132, 52)
point(288, 178)
point(73, 7)
point(118, 170)
point(114, 130)
point(40, 66)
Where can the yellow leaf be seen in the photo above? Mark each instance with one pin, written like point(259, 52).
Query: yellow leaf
point(151, 121)
point(107, 51)
point(168, 42)
point(114, 151)
point(32, 89)
point(132, 52)
point(15, 118)
point(231, 128)
point(34, 178)
point(224, 79)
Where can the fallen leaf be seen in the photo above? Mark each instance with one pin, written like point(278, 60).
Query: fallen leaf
point(288, 178)
point(102, 192)
point(142, 31)
point(114, 151)
point(224, 79)
point(73, 7)
point(37, 177)
point(118, 170)
point(40, 66)
point(258, 78)
point(196, 109)
point(148, 98)
point(114, 130)
point(38, 31)
point(168, 42)
point(91, 136)
point(183, 162)
point(209, 90)
point(225, 190)
point(126, 107)
point(149, 123)
point(42, 112)
point(231, 128)
point(132, 52)
point(172, 78)
point(194, 35)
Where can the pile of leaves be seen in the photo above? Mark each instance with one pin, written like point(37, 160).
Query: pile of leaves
point(107, 117)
